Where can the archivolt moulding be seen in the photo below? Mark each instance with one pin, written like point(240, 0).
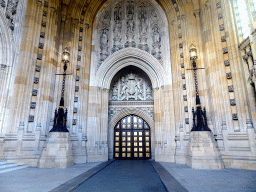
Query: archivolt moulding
point(131, 56)
point(129, 111)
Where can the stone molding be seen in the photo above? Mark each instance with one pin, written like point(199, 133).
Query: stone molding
point(129, 111)
point(131, 56)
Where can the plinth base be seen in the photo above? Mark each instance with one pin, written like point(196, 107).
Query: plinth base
point(203, 152)
point(57, 153)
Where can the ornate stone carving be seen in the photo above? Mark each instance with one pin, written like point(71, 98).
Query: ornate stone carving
point(79, 48)
point(45, 13)
point(75, 99)
point(181, 45)
point(36, 80)
point(185, 98)
point(218, 5)
point(31, 118)
point(42, 34)
point(225, 50)
point(220, 16)
point(41, 46)
point(227, 63)
point(75, 110)
point(80, 38)
point(181, 55)
point(183, 76)
point(222, 28)
point(177, 9)
point(38, 68)
point(126, 21)
point(2, 3)
point(32, 105)
point(184, 86)
point(143, 27)
point(234, 116)
point(130, 24)
point(232, 102)
point(180, 35)
point(104, 38)
point(81, 29)
point(46, 4)
point(10, 12)
point(34, 92)
point(179, 26)
point(187, 120)
point(74, 121)
point(78, 67)
point(229, 75)
point(231, 88)
point(78, 57)
point(131, 87)
point(43, 23)
point(76, 88)
point(182, 65)
point(112, 111)
point(223, 38)
point(39, 56)
point(117, 28)
point(77, 78)
point(156, 42)
point(186, 108)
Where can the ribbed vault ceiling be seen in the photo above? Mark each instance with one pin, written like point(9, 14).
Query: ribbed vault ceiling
point(91, 7)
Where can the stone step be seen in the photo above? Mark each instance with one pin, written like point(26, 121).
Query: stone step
point(3, 162)
point(13, 168)
point(8, 165)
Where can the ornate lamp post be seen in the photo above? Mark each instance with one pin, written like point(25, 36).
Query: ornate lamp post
point(199, 116)
point(60, 116)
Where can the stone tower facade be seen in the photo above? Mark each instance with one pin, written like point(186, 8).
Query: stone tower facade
point(127, 57)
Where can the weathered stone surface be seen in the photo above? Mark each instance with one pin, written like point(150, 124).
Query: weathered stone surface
point(203, 152)
point(57, 153)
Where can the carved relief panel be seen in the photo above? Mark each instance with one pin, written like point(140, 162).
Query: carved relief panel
point(131, 86)
point(129, 23)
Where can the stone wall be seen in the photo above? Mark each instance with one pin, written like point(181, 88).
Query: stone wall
point(35, 33)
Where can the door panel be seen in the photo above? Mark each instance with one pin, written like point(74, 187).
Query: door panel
point(132, 139)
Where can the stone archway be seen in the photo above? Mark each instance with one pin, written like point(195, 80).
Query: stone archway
point(123, 113)
point(146, 51)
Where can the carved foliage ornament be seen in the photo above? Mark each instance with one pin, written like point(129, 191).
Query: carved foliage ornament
point(131, 87)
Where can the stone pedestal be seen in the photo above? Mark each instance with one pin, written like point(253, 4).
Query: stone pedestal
point(57, 153)
point(203, 152)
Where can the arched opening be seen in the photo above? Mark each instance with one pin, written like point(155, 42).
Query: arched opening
point(131, 113)
point(132, 138)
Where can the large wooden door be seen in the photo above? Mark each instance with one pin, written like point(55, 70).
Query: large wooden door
point(132, 139)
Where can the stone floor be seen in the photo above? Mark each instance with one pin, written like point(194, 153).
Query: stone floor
point(232, 180)
point(40, 180)
point(33, 179)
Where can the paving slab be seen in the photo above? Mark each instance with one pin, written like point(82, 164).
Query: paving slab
point(226, 180)
point(33, 179)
